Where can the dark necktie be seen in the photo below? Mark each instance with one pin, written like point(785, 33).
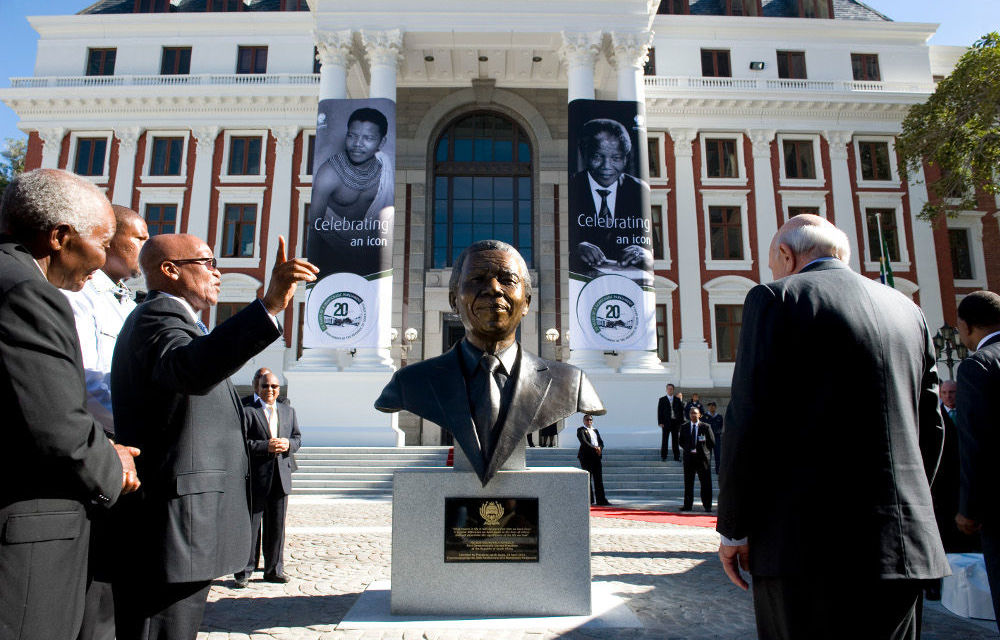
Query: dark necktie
point(694, 435)
point(605, 212)
point(486, 401)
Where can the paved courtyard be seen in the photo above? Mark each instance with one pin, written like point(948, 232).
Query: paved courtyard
point(668, 574)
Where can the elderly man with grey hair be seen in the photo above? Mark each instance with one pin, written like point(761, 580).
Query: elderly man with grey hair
point(56, 228)
point(821, 529)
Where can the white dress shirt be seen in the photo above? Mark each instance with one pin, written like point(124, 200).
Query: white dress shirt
point(99, 316)
point(592, 436)
point(271, 413)
point(612, 197)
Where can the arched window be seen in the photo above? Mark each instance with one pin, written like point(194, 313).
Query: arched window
point(482, 186)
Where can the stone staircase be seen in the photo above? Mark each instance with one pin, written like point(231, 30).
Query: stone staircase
point(366, 472)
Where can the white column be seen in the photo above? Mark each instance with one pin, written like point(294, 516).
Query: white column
point(281, 193)
point(631, 51)
point(125, 171)
point(52, 138)
point(695, 366)
point(383, 49)
point(201, 187)
point(335, 53)
point(579, 52)
point(925, 255)
point(763, 193)
point(843, 197)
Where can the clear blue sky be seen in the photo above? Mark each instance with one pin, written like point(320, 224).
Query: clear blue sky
point(962, 22)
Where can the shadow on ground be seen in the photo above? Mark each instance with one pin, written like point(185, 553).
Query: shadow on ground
point(247, 614)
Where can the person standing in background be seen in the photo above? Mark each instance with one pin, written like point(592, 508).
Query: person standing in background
point(590, 454)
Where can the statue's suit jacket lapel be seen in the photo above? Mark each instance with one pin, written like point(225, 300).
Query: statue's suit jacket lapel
point(531, 386)
point(448, 388)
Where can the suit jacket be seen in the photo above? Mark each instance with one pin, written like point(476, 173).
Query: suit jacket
point(851, 352)
point(702, 448)
point(264, 465)
point(717, 423)
point(978, 404)
point(173, 399)
point(588, 455)
point(663, 412)
point(544, 393)
point(58, 459)
point(630, 203)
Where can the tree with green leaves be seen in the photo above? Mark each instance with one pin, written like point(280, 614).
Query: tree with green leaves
point(11, 160)
point(958, 131)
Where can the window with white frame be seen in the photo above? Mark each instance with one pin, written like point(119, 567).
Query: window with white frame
point(166, 156)
point(664, 289)
point(162, 208)
point(722, 159)
point(965, 240)
point(725, 303)
point(727, 237)
point(305, 197)
point(797, 202)
point(658, 214)
point(799, 160)
point(244, 156)
point(238, 226)
point(236, 292)
point(876, 161)
point(306, 168)
point(887, 209)
point(89, 153)
point(657, 159)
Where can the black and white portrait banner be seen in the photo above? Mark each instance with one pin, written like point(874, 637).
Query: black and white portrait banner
point(350, 224)
point(612, 303)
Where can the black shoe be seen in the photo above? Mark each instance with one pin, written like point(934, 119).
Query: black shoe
point(677, 458)
point(241, 583)
point(933, 593)
point(685, 508)
point(604, 504)
point(279, 578)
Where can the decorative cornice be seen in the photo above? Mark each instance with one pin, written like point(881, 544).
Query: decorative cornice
point(335, 48)
point(630, 49)
point(682, 141)
point(285, 137)
point(383, 48)
point(838, 141)
point(761, 139)
point(580, 49)
point(128, 137)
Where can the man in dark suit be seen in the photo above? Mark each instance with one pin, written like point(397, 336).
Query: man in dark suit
point(173, 399)
point(273, 436)
point(55, 227)
point(820, 533)
point(487, 391)
point(590, 454)
point(669, 415)
point(716, 421)
point(697, 442)
point(610, 203)
point(978, 407)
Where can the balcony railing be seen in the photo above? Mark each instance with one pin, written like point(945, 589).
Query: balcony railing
point(772, 84)
point(216, 79)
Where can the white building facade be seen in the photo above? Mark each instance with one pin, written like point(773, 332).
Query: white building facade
point(200, 114)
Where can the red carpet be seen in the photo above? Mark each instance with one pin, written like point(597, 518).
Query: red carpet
point(691, 519)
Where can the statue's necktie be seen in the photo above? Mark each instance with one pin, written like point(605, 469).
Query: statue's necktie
point(486, 399)
point(605, 212)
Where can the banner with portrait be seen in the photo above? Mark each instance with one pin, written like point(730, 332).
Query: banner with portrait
point(612, 303)
point(350, 224)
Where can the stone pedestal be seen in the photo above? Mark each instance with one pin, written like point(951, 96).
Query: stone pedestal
point(557, 584)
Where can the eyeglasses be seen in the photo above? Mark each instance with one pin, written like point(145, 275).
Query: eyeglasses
point(270, 386)
point(209, 263)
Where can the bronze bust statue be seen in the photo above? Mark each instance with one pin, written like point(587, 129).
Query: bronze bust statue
point(487, 391)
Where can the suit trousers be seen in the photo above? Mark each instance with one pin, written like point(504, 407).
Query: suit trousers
point(271, 517)
point(596, 481)
point(693, 465)
point(98, 612)
point(159, 611)
point(821, 607)
point(991, 555)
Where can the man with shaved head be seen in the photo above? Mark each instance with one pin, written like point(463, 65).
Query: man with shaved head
point(823, 530)
point(59, 465)
point(173, 399)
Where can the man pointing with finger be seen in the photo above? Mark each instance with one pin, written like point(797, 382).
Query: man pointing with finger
point(174, 400)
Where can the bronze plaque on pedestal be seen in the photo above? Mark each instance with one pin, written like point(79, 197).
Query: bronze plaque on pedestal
point(493, 529)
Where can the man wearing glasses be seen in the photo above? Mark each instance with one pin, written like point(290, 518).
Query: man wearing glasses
point(273, 436)
point(170, 382)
